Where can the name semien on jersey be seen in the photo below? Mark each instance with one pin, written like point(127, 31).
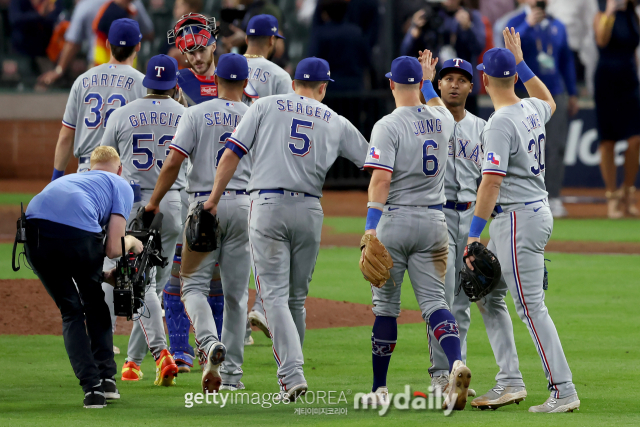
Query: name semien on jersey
point(150, 118)
point(108, 80)
point(220, 118)
point(287, 105)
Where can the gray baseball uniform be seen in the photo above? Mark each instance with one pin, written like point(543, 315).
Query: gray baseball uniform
point(141, 132)
point(201, 136)
point(268, 78)
point(411, 143)
point(463, 170)
point(94, 96)
point(514, 144)
point(293, 140)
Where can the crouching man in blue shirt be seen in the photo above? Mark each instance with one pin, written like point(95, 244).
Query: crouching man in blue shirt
point(66, 250)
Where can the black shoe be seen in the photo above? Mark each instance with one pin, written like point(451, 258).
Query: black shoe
point(110, 390)
point(95, 399)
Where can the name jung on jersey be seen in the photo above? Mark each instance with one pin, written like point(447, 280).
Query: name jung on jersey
point(108, 80)
point(154, 118)
point(308, 110)
point(423, 127)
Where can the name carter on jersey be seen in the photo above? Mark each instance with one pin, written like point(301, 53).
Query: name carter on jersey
point(108, 80)
point(154, 118)
point(307, 110)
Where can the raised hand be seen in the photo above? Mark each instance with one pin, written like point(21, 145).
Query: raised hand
point(428, 63)
point(512, 42)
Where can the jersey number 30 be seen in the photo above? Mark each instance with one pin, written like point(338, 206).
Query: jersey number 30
point(537, 148)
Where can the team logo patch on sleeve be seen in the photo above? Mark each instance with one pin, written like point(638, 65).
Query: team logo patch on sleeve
point(374, 153)
point(493, 158)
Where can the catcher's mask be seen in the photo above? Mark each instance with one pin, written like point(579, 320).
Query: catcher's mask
point(193, 31)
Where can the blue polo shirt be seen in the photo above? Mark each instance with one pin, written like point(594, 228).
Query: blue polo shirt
point(83, 200)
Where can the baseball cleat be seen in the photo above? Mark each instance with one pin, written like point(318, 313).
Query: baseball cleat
point(233, 387)
point(566, 404)
point(211, 380)
point(166, 370)
point(499, 396)
point(131, 372)
point(293, 393)
point(259, 321)
point(458, 387)
point(248, 340)
point(184, 361)
point(110, 390)
point(440, 383)
point(94, 399)
point(378, 397)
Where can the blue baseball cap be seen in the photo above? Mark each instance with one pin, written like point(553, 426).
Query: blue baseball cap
point(161, 73)
point(405, 70)
point(263, 25)
point(232, 66)
point(124, 32)
point(313, 70)
point(498, 62)
point(457, 64)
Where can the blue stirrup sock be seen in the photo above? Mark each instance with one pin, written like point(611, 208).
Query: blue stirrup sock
point(445, 329)
point(383, 340)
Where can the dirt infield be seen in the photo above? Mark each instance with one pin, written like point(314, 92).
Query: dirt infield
point(29, 310)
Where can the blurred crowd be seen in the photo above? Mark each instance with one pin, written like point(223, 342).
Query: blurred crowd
point(574, 46)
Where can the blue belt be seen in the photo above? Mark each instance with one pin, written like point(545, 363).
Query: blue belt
point(458, 206)
point(282, 192)
point(436, 207)
point(84, 159)
point(207, 193)
point(498, 208)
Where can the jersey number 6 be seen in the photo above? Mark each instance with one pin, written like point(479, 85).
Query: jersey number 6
point(295, 134)
point(430, 165)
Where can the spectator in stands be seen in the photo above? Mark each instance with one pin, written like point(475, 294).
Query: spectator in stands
point(495, 9)
point(546, 51)
point(577, 16)
point(501, 23)
point(80, 35)
point(343, 45)
point(617, 97)
point(450, 31)
point(32, 23)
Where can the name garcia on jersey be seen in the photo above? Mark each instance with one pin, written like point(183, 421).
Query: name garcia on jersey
point(149, 118)
point(287, 105)
point(108, 80)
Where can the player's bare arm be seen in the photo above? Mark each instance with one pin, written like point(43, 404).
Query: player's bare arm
point(168, 175)
point(226, 168)
point(378, 192)
point(534, 85)
point(64, 148)
point(429, 63)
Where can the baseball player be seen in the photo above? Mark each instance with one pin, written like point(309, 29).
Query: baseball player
point(460, 184)
point(201, 136)
point(293, 140)
point(268, 79)
point(195, 36)
point(513, 187)
point(408, 156)
point(141, 132)
point(94, 96)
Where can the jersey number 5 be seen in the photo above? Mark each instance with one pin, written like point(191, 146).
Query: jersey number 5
point(94, 121)
point(150, 158)
point(295, 134)
point(430, 165)
point(537, 148)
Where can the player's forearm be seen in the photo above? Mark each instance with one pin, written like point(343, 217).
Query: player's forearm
point(226, 168)
point(168, 175)
point(487, 195)
point(535, 87)
point(378, 195)
point(64, 148)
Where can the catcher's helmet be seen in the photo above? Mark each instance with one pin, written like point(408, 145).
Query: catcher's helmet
point(193, 31)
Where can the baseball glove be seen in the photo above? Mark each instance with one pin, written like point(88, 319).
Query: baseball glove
point(375, 261)
point(201, 230)
point(142, 221)
point(485, 275)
